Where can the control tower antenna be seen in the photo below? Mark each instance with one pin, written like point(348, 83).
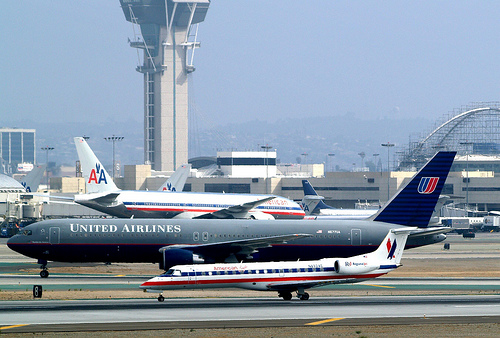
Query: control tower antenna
point(168, 33)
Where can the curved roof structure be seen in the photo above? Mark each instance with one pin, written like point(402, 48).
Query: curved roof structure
point(474, 129)
point(8, 184)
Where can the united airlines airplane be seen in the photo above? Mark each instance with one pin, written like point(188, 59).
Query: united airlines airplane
point(172, 242)
point(286, 277)
point(105, 196)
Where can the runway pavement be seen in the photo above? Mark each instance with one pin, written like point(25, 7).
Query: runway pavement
point(18, 274)
point(53, 316)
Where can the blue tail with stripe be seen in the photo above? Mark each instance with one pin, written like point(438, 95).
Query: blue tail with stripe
point(414, 204)
point(310, 191)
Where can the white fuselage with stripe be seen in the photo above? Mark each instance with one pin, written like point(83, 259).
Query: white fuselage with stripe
point(267, 276)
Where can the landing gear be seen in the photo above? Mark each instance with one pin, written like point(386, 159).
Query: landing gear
point(44, 273)
point(285, 295)
point(161, 298)
point(304, 296)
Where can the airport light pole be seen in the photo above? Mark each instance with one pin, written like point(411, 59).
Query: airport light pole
point(305, 157)
point(267, 147)
point(114, 139)
point(47, 149)
point(388, 145)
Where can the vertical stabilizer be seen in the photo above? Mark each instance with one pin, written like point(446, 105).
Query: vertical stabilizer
point(96, 177)
point(310, 200)
point(177, 180)
point(391, 249)
point(414, 204)
point(32, 180)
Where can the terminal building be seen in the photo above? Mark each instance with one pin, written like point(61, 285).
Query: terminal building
point(17, 146)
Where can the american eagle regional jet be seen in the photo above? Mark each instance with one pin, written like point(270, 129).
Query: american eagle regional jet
point(286, 277)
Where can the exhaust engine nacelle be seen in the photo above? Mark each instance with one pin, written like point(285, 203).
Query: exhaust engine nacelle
point(350, 267)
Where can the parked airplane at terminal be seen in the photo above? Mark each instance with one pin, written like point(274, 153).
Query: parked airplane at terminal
point(315, 208)
point(286, 277)
point(184, 241)
point(107, 198)
point(32, 180)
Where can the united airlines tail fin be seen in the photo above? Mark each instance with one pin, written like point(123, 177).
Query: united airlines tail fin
point(96, 177)
point(177, 180)
point(32, 180)
point(391, 249)
point(310, 201)
point(414, 204)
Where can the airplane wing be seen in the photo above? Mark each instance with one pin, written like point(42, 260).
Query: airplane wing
point(220, 251)
point(235, 211)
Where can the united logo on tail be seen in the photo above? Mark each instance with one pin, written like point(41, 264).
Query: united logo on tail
point(427, 185)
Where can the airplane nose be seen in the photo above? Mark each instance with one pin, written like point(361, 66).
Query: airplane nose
point(11, 242)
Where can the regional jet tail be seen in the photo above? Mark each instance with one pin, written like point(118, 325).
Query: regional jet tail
point(314, 207)
point(32, 180)
point(414, 204)
point(286, 277)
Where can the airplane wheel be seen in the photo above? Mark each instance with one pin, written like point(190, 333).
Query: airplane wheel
point(304, 296)
point(44, 274)
point(161, 298)
point(286, 296)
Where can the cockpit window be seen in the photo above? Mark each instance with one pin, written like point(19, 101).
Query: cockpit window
point(169, 272)
point(27, 232)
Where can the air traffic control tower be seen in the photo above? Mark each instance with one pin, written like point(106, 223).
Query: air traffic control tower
point(166, 30)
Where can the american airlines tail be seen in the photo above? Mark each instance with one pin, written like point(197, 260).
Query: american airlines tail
point(414, 204)
point(177, 180)
point(97, 178)
point(32, 180)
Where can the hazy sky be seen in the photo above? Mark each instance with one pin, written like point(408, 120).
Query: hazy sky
point(69, 60)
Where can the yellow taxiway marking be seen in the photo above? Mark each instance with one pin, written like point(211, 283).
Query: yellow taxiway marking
point(324, 321)
point(12, 326)
point(382, 286)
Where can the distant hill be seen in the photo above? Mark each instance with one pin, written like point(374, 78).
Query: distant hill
point(345, 136)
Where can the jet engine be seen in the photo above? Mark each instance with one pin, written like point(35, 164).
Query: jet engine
point(173, 257)
point(349, 267)
point(260, 215)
